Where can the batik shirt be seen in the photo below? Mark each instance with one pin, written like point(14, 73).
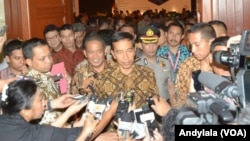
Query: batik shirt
point(183, 54)
point(182, 83)
point(49, 90)
point(141, 80)
point(112, 82)
point(83, 71)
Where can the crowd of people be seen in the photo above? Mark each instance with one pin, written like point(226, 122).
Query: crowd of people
point(121, 59)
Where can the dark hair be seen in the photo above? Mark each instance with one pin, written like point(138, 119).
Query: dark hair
point(66, 27)
point(206, 30)
point(220, 41)
point(102, 21)
point(49, 28)
point(79, 27)
point(128, 25)
point(120, 35)
point(218, 23)
point(175, 23)
point(168, 125)
point(12, 45)
point(93, 36)
point(30, 44)
point(20, 95)
point(106, 35)
point(117, 21)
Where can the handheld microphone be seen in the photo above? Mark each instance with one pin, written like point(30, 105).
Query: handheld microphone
point(126, 124)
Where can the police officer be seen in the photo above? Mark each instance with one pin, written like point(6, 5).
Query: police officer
point(149, 36)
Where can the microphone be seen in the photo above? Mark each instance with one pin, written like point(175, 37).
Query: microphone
point(126, 124)
point(219, 84)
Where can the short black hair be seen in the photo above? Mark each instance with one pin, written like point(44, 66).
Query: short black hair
point(206, 30)
point(106, 35)
point(128, 25)
point(20, 95)
point(176, 23)
point(219, 41)
point(12, 45)
point(30, 44)
point(66, 27)
point(120, 35)
point(219, 23)
point(93, 36)
point(49, 28)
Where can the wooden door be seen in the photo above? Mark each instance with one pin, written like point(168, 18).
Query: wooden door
point(234, 13)
point(27, 18)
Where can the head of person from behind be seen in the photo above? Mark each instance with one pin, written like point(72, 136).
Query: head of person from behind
point(23, 97)
point(123, 50)
point(220, 44)
point(149, 37)
point(37, 55)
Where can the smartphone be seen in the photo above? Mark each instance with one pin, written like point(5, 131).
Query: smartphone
point(197, 85)
point(3, 30)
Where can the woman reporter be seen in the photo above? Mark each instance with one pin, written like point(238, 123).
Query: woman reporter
point(21, 103)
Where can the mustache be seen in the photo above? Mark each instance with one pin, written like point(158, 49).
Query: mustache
point(173, 41)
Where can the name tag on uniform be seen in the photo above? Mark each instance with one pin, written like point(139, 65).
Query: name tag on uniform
point(165, 70)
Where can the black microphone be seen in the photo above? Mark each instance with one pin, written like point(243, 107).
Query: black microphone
point(218, 84)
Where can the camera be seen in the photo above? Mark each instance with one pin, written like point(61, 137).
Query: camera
point(237, 53)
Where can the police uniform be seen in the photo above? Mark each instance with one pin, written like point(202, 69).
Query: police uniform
point(161, 66)
point(163, 73)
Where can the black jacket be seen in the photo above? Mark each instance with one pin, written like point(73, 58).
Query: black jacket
point(15, 128)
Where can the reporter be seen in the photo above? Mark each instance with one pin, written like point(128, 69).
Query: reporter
point(21, 103)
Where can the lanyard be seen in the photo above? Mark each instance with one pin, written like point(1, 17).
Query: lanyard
point(174, 65)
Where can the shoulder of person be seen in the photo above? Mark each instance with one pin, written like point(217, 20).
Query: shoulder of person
point(81, 66)
point(143, 68)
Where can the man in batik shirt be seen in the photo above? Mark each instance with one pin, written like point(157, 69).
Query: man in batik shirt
point(39, 60)
point(94, 50)
point(124, 77)
point(200, 37)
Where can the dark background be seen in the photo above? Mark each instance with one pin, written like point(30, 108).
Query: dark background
point(93, 6)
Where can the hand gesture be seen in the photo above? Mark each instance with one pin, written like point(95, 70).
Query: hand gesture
point(161, 106)
point(62, 102)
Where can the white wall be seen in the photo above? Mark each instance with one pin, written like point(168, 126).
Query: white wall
point(2, 15)
point(143, 5)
